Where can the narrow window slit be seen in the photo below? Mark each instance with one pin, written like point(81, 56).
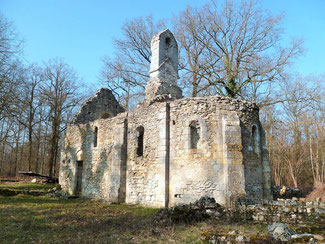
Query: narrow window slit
point(95, 136)
point(255, 137)
point(140, 134)
point(195, 134)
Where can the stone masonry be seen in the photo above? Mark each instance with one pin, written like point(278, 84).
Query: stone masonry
point(169, 150)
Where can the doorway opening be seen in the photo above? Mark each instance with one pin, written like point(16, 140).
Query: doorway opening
point(79, 178)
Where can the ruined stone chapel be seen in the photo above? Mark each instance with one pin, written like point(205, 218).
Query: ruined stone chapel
point(169, 150)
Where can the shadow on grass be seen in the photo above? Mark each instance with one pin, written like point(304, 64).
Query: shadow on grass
point(25, 199)
point(26, 186)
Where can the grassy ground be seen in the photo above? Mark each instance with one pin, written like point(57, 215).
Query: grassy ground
point(29, 219)
point(25, 186)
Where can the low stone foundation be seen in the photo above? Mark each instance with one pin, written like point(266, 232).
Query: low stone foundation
point(304, 220)
point(287, 211)
point(284, 211)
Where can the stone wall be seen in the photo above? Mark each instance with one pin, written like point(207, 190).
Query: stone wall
point(101, 106)
point(255, 155)
point(225, 163)
point(112, 170)
point(288, 211)
point(217, 167)
point(146, 173)
point(101, 177)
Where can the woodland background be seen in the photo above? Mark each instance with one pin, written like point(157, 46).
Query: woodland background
point(234, 49)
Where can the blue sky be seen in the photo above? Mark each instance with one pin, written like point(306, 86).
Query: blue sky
point(82, 32)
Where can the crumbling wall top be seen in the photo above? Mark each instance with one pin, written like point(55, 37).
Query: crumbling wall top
point(101, 106)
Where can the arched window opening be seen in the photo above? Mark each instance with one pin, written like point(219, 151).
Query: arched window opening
point(167, 42)
point(195, 133)
point(140, 134)
point(255, 137)
point(95, 136)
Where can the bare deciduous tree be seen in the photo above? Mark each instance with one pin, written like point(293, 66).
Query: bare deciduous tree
point(195, 59)
point(10, 48)
point(245, 43)
point(294, 133)
point(127, 72)
point(28, 105)
point(231, 50)
point(61, 95)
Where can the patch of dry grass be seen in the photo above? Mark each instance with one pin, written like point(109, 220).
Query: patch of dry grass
point(319, 192)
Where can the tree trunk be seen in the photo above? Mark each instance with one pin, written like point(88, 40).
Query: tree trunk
point(21, 153)
point(38, 146)
point(17, 151)
point(54, 146)
point(30, 148)
point(293, 177)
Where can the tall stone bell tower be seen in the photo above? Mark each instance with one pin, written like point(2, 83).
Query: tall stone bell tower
point(162, 85)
